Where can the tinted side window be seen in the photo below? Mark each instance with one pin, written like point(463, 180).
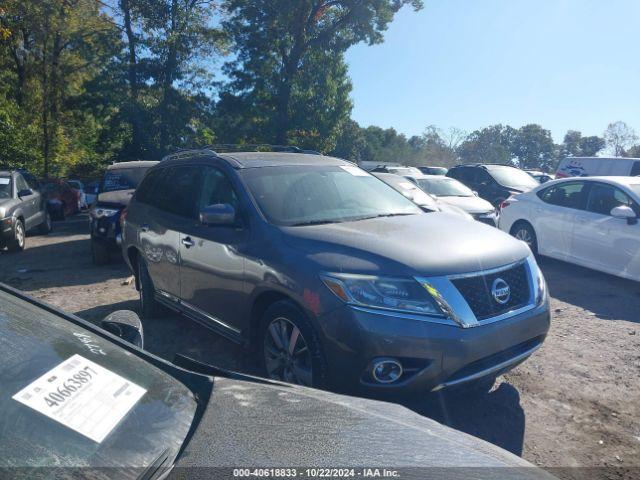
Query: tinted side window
point(145, 191)
point(603, 198)
point(217, 188)
point(565, 195)
point(635, 169)
point(176, 190)
point(21, 184)
point(464, 174)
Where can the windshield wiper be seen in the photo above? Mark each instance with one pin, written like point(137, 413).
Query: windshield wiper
point(381, 215)
point(313, 222)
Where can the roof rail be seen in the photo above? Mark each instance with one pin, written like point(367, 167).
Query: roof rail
point(259, 147)
point(188, 153)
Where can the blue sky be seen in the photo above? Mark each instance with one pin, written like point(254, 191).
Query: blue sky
point(565, 64)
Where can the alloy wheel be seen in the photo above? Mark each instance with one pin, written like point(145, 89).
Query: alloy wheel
point(20, 235)
point(286, 353)
point(525, 235)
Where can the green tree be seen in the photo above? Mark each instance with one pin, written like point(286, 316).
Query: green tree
point(533, 147)
point(492, 144)
point(277, 40)
point(575, 145)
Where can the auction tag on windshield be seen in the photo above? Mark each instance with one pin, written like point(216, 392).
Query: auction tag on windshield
point(4, 181)
point(83, 396)
point(358, 172)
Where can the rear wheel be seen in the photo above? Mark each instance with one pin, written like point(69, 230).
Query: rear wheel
point(99, 253)
point(524, 231)
point(16, 244)
point(290, 349)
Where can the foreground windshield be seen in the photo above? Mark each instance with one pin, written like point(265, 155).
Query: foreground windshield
point(295, 195)
point(5, 187)
point(122, 179)
point(512, 177)
point(444, 187)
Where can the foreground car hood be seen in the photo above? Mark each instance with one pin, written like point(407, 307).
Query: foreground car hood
point(119, 197)
point(33, 343)
point(422, 244)
point(468, 204)
point(252, 424)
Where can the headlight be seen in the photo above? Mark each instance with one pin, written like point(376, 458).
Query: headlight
point(539, 283)
point(405, 295)
point(103, 212)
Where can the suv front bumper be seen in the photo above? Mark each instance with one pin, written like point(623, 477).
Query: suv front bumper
point(434, 356)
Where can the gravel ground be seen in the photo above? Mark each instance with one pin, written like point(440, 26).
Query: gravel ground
point(573, 408)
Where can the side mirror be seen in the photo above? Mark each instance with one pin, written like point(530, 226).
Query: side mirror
point(126, 325)
point(625, 213)
point(25, 193)
point(475, 193)
point(220, 214)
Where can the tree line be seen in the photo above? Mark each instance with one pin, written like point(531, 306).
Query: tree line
point(87, 82)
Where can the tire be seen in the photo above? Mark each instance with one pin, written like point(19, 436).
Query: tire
point(149, 306)
point(99, 253)
point(16, 244)
point(302, 364)
point(524, 231)
point(45, 227)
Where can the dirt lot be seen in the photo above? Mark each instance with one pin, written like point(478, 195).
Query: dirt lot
point(573, 408)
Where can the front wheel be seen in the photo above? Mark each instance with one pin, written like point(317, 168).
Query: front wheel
point(524, 231)
point(289, 347)
point(16, 244)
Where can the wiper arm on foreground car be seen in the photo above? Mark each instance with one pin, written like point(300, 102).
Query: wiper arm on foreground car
point(314, 222)
point(381, 215)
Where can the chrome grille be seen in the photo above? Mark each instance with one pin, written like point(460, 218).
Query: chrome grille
point(476, 291)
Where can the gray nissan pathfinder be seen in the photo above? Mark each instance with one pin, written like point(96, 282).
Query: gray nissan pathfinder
point(329, 276)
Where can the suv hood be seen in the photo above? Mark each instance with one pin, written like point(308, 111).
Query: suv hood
point(421, 244)
point(277, 425)
point(117, 198)
point(468, 204)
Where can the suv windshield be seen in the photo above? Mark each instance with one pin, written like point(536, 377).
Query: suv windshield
point(324, 194)
point(122, 179)
point(5, 187)
point(512, 177)
point(444, 187)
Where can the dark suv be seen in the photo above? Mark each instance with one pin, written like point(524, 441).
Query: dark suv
point(116, 188)
point(329, 275)
point(493, 182)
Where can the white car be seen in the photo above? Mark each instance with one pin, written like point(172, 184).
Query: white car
point(591, 222)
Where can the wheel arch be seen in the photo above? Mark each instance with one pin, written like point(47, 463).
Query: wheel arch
point(260, 304)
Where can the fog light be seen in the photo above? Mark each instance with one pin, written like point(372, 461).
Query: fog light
point(386, 370)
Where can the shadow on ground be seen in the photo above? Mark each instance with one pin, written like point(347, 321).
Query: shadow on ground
point(608, 297)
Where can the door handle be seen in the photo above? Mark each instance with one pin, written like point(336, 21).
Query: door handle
point(144, 228)
point(187, 242)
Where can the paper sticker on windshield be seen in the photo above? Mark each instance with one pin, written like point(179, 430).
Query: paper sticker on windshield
point(358, 172)
point(407, 185)
point(83, 396)
point(4, 181)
